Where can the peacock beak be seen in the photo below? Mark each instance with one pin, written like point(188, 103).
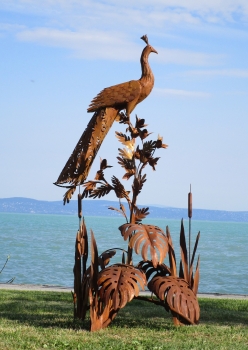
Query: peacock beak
point(153, 50)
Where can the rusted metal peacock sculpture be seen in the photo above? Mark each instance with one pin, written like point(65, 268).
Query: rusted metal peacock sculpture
point(104, 289)
point(106, 107)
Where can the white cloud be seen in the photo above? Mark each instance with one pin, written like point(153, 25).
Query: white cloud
point(158, 18)
point(108, 45)
point(186, 57)
point(87, 44)
point(180, 93)
point(8, 27)
point(234, 73)
point(190, 11)
point(174, 17)
point(221, 8)
point(143, 12)
point(117, 25)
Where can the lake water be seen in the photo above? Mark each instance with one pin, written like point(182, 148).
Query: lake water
point(41, 249)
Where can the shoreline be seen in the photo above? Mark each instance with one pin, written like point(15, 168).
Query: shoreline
point(49, 288)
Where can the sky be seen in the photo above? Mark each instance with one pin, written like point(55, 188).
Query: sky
point(56, 55)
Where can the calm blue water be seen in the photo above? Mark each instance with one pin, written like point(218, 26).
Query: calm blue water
point(42, 249)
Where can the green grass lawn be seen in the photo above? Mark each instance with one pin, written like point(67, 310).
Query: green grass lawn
point(44, 320)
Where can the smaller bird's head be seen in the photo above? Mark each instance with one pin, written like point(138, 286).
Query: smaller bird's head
point(148, 48)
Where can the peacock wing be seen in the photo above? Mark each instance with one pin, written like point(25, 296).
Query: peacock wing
point(116, 96)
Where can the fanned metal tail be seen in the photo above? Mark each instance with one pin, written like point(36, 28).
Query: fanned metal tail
point(79, 163)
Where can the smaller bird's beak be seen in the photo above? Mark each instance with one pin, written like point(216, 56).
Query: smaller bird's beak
point(153, 50)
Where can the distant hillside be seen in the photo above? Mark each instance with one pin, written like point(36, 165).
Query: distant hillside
point(100, 208)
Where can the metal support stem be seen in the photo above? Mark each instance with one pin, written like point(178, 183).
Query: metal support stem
point(189, 243)
point(189, 215)
point(79, 206)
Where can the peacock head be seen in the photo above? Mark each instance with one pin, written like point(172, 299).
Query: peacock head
point(148, 48)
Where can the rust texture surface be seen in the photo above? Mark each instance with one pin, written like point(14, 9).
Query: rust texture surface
point(101, 289)
point(106, 107)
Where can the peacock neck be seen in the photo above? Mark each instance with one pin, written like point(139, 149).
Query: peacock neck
point(147, 74)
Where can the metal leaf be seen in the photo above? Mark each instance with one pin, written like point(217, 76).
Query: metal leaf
point(151, 272)
point(88, 188)
point(126, 153)
point(140, 123)
point(101, 191)
point(153, 161)
point(171, 254)
point(122, 118)
point(159, 143)
point(138, 184)
point(119, 188)
point(150, 238)
point(125, 140)
point(129, 174)
point(85, 297)
point(105, 257)
point(118, 210)
point(68, 194)
point(127, 164)
point(120, 283)
point(149, 147)
point(140, 214)
point(122, 210)
point(122, 137)
point(179, 297)
point(101, 315)
point(196, 277)
point(99, 175)
point(80, 295)
point(184, 254)
point(193, 257)
point(94, 264)
point(144, 134)
point(104, 164)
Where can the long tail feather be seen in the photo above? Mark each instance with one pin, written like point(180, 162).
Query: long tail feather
point(78, 165)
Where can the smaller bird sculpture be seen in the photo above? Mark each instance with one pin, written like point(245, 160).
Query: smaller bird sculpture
point(106, 107)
